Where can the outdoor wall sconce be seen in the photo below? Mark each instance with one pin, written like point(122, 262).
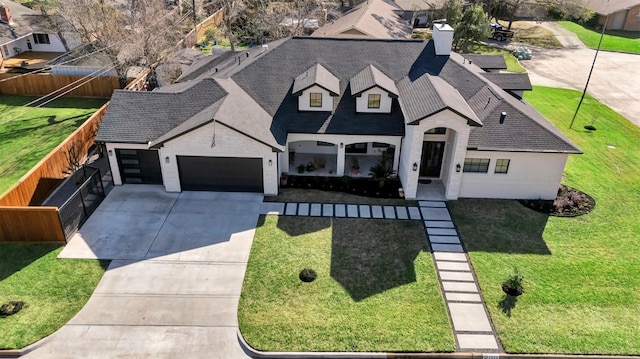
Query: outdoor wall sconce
point(341, 145)
point(110, 152)
point(415, 166)
point(270, 163)
point(166, 159)
point(458, 167)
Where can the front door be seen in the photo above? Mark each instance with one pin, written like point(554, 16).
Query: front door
point(431, 163)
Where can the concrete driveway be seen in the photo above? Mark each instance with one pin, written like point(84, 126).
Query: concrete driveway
point(172, 289)
point(615, 80)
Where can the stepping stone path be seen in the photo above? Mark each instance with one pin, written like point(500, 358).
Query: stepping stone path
point(471, 325)
point(472, 329)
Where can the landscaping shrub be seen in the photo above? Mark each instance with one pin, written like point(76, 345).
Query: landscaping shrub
point(358, 186)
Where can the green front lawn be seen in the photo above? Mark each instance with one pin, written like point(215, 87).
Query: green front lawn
point(28, 134)
point(625, 41)
point(376, 290)
point(54, 290)
point(512, 63)
point(582, 274)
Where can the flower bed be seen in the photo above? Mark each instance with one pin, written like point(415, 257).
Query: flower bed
point(569, 202)
point(359, 186)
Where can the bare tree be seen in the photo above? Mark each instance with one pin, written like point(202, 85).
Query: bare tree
point(139, 33)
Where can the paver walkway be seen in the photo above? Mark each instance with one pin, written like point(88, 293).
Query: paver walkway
point(472, 328)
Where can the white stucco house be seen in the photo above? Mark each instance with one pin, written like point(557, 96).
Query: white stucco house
point(237, 121)
point(23, 29)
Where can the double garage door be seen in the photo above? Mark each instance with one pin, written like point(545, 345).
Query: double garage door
point(229, 174)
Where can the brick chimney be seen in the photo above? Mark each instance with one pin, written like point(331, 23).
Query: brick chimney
point(442, 39)
point(5, 14)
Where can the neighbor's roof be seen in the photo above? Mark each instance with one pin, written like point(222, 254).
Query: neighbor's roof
point(370, 77)
point(488, 62)
point(25, 22)
point(606, 7)
point(510, 81)
point(316, 75)
point(374, 19)
point(257, 97)
point(412, 5)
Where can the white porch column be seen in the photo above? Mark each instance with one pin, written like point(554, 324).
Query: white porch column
point(459, 151)
point(341, 155)
point(396, 156)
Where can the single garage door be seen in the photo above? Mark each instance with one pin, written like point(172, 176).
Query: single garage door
point(139, 166)
point(229, 174)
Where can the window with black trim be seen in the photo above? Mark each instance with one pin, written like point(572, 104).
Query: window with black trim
point(41, 38)
point(322, 143)
point(502, 166)
point(315, 99)
point(479, 165)
point(356, 148)
point(374, 100)
point(437, 131)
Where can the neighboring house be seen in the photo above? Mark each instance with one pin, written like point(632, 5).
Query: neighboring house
point(623, 14)
point(419, 13)
point(257, 114)
point(374, 19)
point(23, 29)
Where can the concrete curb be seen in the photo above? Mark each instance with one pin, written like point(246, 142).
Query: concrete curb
point(16, 353)
point(459, 355)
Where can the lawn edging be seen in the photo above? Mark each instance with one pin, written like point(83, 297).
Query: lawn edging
point(16, 353)
point(249, 350)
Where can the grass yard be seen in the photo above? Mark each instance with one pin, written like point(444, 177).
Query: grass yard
point(318, 196)
point(54, 290)
point(530, 34)
point(512, 63)
point(625, 41)
point(28, 135)
point(376, 288)
point(582, 278)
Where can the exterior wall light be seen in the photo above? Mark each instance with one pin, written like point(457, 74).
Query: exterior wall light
point(415, 166)
point(458, 167)
point(341, 145)
point(166, 159)
point(110, 152)
point(270, 163)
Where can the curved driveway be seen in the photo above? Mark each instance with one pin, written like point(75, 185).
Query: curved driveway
point(172, 289)
point(615, 80)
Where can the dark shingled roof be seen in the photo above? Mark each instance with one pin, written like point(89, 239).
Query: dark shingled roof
point(257, 97)
point(370, 77)
point(488, 62)
point(142, 117)
point(510, 81)
point(316, 75)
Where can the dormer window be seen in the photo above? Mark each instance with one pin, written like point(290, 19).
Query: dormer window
point(315, 99)
point(374, 100)
point(374, 91)
point(315, 88)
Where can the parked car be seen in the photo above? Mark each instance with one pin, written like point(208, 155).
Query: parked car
point(499, 33)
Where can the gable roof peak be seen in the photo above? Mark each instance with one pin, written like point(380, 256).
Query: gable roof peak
point(316, 75)
point(371, 77)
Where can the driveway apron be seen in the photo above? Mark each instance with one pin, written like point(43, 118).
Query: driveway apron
point(172, 288)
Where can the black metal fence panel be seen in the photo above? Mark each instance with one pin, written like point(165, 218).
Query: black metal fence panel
point(84, 201)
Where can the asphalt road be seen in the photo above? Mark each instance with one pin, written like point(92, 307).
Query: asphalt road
point(615, 80)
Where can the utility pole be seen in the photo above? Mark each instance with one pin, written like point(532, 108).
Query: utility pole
point(195, 22)
point(591, 71)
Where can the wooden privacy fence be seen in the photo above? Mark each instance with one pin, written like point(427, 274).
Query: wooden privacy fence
point(30, 225)
point(212, 21)
point(44, 84)
point(21, 223)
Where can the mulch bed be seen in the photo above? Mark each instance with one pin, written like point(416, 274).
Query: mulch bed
point(10, 308)
point(569, 202)
point(358, 186)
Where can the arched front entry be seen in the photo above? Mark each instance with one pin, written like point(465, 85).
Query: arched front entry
point(432, 157)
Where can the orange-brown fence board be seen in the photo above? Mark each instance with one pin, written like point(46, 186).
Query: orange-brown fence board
point(212, 21)
point(37, 184)
point(43, 84)
point(30, 225)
